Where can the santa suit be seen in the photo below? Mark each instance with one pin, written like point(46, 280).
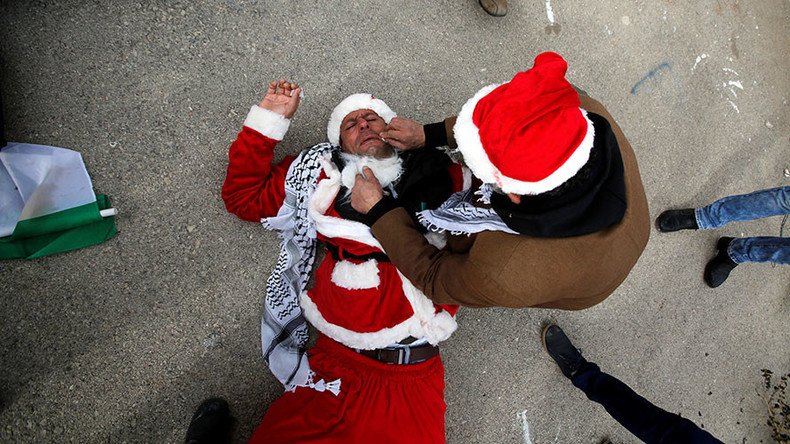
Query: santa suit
point(359, 301)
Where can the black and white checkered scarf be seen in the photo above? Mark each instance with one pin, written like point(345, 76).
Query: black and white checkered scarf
point(283, 327)
point(459, 214)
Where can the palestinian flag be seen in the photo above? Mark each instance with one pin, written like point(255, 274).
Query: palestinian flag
point(47, 203)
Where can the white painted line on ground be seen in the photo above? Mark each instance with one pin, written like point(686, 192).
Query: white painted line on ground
point(522, 416)
point(549, 12)
point(734, 106)
point(700, 58)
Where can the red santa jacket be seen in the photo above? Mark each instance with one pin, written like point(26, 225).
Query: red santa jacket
point(365, 304)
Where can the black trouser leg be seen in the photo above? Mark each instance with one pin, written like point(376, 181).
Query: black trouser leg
point(649, 423)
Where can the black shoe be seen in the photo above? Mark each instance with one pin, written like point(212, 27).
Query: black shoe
point(562, 351)
point(674, 220)
point(211, 423)
point(718, 269)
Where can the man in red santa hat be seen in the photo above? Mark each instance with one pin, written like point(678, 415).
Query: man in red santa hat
point(374, 373)
point(558, 217)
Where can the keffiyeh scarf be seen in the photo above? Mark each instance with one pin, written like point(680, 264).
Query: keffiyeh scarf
point(458, 214)
point(283, 326)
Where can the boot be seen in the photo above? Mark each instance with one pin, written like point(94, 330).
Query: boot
point(718, 269)
point(560, 348)
point(211, 423)
point(497, 8)
point(674, 220)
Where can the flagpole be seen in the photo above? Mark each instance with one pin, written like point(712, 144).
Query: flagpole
point(109, 212)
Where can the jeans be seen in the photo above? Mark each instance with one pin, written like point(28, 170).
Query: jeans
point(743, 207)
point(756, 205)
point(638, 415)
point(760, 249)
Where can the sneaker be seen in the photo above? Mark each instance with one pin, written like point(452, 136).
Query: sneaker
point(497, 8)
point(674, 220)
point(718, 269)
point(211, 423)
point(560, 348)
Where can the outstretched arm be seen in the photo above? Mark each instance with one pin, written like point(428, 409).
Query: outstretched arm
point(254, 188)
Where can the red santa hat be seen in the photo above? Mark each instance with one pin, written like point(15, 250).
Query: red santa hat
point(350, 104)
point(527, 136)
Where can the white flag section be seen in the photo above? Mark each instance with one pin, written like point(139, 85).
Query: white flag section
point(47, 202)
point(38, 180)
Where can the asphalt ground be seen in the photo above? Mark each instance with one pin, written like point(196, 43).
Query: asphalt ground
point(120, 342)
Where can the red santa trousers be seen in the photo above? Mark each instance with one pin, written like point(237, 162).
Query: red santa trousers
point(379, 403)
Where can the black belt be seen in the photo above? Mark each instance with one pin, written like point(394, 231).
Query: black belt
point(340, 254)
point(402, 356)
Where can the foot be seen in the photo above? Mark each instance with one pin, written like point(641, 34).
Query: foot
point(560, 348)
point(211, 423)
point(674, 220)
point(497, 8)
point(718, 269)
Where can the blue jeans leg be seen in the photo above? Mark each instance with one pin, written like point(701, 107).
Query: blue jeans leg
point(760, 249)
point(756, 205)
point(639, 416)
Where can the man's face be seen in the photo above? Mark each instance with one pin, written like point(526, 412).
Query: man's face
point(359, 134)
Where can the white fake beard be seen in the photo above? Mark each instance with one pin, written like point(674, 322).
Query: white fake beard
point(387, 170)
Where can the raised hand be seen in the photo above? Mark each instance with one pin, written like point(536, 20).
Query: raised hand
point(404, 134)
point(282, 98)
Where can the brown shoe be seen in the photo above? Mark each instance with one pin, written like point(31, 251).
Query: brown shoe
point(497, 8)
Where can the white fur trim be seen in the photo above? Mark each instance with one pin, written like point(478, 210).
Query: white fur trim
point(268, 123)
point(323, 196)
point(351, 276)
point(353, 339)
point(467, 136)
point(435, 327)
point(351, 104)
point(386, 170)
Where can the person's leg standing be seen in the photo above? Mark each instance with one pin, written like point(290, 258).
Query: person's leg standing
point(649, 423)
point(743, 207)
point(639, 416)
point(760, 249)
point(733, 251)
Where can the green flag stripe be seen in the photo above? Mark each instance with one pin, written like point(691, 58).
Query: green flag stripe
point(58, 221)
point(66, 240)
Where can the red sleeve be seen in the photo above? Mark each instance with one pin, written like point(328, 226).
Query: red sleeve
point(254, 188)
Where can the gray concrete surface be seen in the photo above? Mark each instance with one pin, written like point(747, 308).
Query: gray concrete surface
point(120, 342)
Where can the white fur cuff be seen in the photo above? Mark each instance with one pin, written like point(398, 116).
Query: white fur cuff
point(356, 276)
point(268, 123)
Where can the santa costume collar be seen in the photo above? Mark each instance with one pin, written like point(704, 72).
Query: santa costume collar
point(387, 170)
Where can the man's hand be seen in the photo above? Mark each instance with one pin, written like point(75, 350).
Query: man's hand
point(282, 97)
point(367, 191)
point(404, 134)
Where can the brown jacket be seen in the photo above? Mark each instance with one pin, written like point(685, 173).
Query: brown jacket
point(499, 269)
